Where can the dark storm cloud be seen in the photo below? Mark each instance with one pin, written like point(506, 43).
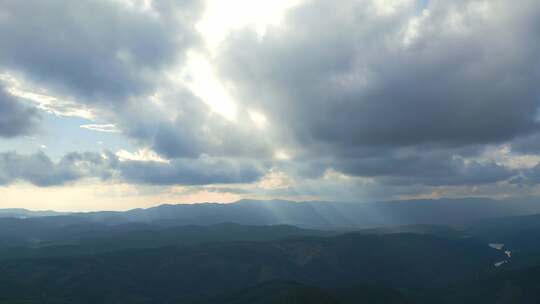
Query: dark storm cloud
point(432, 168)
point(191, 172)
point(352, 78)
point(96, 50)
point(37, 169)
point(529, 176)
point(15, 118)
point(407, 167)
point(362, 84)
point(526, 144)
point(453, 173)
point(40, 170)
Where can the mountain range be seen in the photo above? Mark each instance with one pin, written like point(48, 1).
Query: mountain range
point(421, 251)
point(317, 215)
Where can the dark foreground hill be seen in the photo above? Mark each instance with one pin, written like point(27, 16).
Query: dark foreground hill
point(186, 274)
point(290, 292)
point(519, 235)
point(79, 239)
point(506, 287)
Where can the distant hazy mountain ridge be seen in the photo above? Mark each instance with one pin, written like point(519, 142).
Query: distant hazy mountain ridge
point(319, 215)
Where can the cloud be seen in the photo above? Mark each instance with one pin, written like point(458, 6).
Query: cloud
point(526, 144)
point(107, 128)
point(376, 95)
point(40, 170)
point(143, 154)
point(396, 93)
point(98, 51)
point(179, 125)
point(37, 169)
point(16, 118)
point(43, 101)
point(202, 171)
point(356, 84)
point(122, 62)
point(430, 168)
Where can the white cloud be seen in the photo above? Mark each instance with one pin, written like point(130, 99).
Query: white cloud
point(107, 128)
point(258, 118)
point(222, 17)
point(43, 100)
point(275, 179)
point(503, 156)
point(282, 155)
point(144, 154)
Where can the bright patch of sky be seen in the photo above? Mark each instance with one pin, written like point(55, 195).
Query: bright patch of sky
point(217, 22)
point(60, 135)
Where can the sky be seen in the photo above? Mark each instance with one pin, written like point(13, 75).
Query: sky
point(120, 104)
